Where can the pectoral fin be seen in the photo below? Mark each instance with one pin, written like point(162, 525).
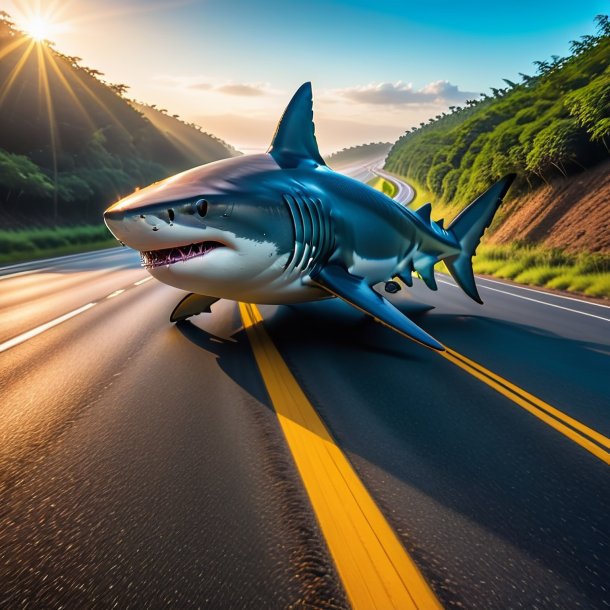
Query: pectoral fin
point(191, 305)
point(359, 294)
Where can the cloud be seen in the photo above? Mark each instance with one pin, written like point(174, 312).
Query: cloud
point(400, 94)
point(244, 90)
point(202, 86)
point(227, 88)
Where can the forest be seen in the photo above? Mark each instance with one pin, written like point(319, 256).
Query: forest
point(71, 143)
point(553, 123)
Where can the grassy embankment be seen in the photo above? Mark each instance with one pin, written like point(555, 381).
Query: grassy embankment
point(583, 273)
point(548, 127)
point(383, 185)
point(31, 244)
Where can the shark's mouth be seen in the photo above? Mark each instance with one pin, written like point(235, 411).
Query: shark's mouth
point(169, 256)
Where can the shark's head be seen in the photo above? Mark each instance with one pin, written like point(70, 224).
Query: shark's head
point(210, 229)
point(220, 227)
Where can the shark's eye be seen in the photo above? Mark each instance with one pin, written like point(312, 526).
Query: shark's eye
point(202, 207)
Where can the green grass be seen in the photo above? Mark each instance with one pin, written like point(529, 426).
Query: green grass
point(547, 267)
point(31, 244)
point(383, 185)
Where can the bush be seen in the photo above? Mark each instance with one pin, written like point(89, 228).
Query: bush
point(39, 240)
point(599, 287)
point(538, 276)
point(509, 271)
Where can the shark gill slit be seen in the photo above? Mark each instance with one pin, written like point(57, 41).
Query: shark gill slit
point(307, 234)
point(297, 232)
point(312, 235)
point(314, 251)
point(320, 232)
point(319, 245)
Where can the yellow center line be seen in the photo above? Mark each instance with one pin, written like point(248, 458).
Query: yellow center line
point(576, 431)
point(374, 567)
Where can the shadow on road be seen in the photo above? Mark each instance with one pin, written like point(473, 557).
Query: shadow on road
point(435, 446)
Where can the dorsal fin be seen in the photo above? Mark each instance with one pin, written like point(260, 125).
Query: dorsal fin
point(424, 212)
point(294, 143)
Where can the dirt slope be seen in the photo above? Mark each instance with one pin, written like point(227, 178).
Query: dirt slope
point(572, 214)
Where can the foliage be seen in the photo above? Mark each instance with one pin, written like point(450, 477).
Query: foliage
point(383, 185)
point(46, 241)
point(554, 123)
point(68, 155)
point(19, 176)
point(357, 154)
point(591, 106)
point(550, 267)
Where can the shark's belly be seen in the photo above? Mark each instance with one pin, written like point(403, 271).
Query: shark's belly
point(374, 270)
point(283, 290)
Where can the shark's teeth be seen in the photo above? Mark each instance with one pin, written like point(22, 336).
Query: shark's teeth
point(168, 256)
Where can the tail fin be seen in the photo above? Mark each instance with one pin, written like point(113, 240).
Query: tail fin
point(468, 228)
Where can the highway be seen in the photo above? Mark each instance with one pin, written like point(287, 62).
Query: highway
point(404, 193)
point(149, 465)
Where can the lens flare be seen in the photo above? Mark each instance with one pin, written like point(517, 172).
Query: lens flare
point(39, 28)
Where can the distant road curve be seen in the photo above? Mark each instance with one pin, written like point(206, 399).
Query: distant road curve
point(366, 170)
point(405, 193)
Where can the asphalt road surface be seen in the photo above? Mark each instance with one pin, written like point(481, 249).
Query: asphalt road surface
point(142, 464)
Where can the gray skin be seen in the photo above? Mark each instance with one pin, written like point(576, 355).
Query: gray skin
point(282, 227)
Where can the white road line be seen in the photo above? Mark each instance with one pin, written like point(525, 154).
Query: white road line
point(20, 273)
point(56, 260)
point(116, 293)
point(40, 329)
point(520, 296)
point(551, 294)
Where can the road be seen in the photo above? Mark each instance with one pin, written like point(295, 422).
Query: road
point(143, 465)
point(404, 193)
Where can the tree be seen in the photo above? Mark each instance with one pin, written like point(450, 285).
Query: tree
point(555, 146)
point(591, 107)
point(119, 89)
point(543, 67)
point(603, 24)
point(20, 176)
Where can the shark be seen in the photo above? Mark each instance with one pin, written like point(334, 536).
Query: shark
point(282, 227)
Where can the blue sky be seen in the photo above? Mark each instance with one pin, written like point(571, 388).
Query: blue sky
point(377, 67)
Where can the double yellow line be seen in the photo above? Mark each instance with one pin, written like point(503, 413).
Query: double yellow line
point(587, 438)
point(374, 568)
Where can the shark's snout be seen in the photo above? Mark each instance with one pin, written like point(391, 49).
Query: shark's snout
point(113, 214)
point(135, 227)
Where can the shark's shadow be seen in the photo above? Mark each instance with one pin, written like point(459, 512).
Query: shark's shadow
point(422, 421)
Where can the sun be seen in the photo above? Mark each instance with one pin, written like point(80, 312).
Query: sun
point(39, 28)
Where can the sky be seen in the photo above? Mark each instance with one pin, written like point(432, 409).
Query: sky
point(377, 67)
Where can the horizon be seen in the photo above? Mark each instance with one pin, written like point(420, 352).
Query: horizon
point(413, 66)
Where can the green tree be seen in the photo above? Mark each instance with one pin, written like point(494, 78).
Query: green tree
point(590, 106)
point(20, 176)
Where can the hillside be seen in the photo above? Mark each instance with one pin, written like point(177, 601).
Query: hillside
point(570, 213)
point(70, 144)
point(358, 154)
point(552, 129)
point(194, 145)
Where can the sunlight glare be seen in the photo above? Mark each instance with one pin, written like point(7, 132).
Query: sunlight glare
point(38, 28)
point(43, 26)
